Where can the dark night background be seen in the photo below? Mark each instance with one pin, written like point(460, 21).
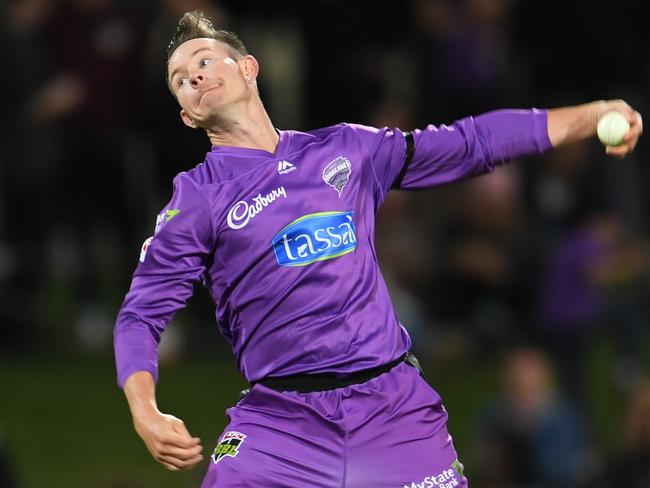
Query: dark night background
point(525, 291)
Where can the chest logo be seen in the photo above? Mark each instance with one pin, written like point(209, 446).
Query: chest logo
point(285, 167)
point(315, 237)
point(337, 173)
point(242, 212)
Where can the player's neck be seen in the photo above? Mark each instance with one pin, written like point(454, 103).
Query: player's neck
point(252, 129)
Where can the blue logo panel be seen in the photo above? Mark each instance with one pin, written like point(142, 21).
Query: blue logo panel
point(315, 237)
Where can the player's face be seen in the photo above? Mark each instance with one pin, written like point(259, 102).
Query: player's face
point(206, 79)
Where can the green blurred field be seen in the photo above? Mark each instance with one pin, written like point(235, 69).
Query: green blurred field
point(66, 423)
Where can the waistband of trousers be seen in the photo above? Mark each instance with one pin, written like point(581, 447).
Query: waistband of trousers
point(309, 383)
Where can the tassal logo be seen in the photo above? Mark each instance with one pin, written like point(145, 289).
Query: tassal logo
point(315, 237)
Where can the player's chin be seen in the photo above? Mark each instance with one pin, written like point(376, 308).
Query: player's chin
point(211, 99)
point(205, 119)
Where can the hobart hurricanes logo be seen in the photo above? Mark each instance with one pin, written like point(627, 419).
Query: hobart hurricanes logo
point(242, 212)
point(337, 173)
point(229, 446)
point(315, 237)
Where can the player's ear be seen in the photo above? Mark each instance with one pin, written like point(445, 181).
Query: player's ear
point(250, 68)
point(187, 120)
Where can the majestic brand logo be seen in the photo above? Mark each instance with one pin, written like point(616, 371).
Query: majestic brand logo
point(315, 237)
point(228, 446)
point(337, 173)
point(285, 167)
point(242, 212)
point(145, 247)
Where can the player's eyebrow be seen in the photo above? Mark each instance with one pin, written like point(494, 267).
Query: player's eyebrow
point(171, 77)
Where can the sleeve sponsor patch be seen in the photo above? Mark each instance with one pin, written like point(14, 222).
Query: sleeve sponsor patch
point(145, 247)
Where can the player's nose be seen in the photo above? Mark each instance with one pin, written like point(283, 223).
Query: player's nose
point(196, 79)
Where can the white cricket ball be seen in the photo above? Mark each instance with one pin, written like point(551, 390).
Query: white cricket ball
point(612, 128)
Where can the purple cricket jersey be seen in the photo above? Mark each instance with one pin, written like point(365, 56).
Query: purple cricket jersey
point(284, 242)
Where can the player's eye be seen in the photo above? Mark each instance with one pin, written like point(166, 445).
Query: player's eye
point(182, 81)
point(204, 62)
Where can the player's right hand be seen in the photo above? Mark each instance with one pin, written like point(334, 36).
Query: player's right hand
point(168, 441)
point(636, 126)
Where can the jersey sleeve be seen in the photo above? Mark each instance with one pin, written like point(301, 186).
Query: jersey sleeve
point(386, 150)
point(472, 146)
point(443, 154)
point(170, 262)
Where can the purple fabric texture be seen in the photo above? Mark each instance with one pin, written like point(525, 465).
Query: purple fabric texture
point(387, 432)
point(284, 242)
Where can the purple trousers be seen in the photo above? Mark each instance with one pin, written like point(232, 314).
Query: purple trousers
point(387, 432)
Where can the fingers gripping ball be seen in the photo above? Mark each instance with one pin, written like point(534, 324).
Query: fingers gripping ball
point(612, 128)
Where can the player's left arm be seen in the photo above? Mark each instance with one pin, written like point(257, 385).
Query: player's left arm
point(571, 124)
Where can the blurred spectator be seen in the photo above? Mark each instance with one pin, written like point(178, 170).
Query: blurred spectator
point(559, 61)
point(572, 183)
point(352, 62)
point(481, 287)
point(529, 436)
point(26, 169)
point(403, 247)
point(466, 58)
point(631, 464)
point(592, 282)
point(590, 261)
point(159, 121)
point(78, 111)
point(279, 38)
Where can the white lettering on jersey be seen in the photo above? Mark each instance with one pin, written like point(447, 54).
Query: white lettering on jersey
point(242, 212)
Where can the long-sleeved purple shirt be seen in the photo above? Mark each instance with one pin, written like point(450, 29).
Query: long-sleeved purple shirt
point(284, 242)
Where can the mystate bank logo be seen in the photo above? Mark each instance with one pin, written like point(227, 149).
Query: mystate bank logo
point(315, 237)
point(448, 478)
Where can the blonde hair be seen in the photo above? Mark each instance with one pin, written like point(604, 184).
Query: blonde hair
point(194, 25)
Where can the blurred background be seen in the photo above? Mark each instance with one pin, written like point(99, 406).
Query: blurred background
point(525, 291)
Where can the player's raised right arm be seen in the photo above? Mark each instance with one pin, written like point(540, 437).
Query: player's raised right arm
point(570, 124)
point(473, 146)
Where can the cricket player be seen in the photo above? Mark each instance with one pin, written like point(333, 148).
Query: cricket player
point(278, 225)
